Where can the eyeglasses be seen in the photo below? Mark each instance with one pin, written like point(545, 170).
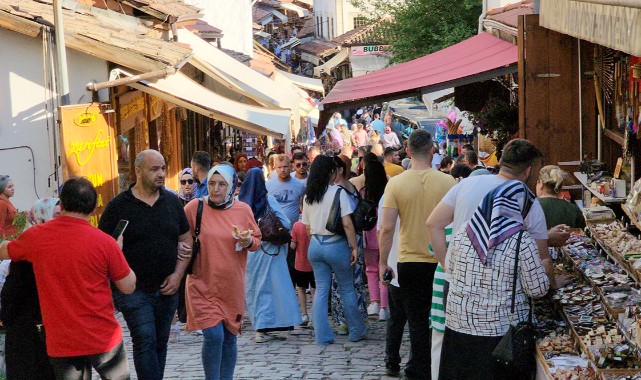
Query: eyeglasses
point(302, 164)
point(186, 181)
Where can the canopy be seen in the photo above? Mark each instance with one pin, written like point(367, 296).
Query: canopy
point(300, 11)
point(333, 62)
point(476, 59)
point(181, 90)
point(365, 64)
point(306, 83)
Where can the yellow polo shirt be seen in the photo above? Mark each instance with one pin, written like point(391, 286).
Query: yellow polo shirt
point(392, 169)
point(415, 193)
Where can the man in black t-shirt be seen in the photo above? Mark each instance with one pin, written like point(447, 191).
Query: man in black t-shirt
point(157, 246)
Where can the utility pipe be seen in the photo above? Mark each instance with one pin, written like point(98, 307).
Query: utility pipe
point(162, 73)
point(580, 102)
point(61, 54)
point(482, 16)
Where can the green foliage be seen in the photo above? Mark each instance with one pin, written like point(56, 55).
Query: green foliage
point(421, 27)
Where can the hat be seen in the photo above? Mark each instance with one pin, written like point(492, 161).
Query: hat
point(359, 112)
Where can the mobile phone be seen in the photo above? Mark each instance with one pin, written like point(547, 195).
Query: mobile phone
point(120, 228)
point(388, 275)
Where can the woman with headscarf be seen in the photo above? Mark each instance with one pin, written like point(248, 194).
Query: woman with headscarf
point(26, 354)
point(271, 300)
point(215, 291)
point(186, 192)
point(390, 138)
point(481, 263)
point(7, 210)
point(240, 163)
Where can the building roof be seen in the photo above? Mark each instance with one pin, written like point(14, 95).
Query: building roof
point(362, 34)
point(307, 29)
point(260, 12)
point(203, 29)
point(108, 35)
point(319, 47)
point(509, 15)
point(162, 9)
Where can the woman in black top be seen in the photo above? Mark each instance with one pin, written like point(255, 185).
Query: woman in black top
point(25, 350)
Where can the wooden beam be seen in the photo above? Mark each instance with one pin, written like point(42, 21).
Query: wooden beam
point(19, 24)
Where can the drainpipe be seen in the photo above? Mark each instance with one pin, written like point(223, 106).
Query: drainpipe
point(61, 54)
point(482, 16)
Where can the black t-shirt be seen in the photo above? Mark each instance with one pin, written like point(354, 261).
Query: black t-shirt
point(150, 242)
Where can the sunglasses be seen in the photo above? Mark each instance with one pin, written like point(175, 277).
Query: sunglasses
point(186, 181)
point(302, 164)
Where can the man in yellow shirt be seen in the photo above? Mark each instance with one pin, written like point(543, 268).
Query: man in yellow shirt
point(392, 162)
point(411, 196)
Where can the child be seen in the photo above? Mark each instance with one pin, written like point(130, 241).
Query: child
point(303, 273)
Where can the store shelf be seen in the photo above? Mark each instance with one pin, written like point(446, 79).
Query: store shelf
point(583, 178)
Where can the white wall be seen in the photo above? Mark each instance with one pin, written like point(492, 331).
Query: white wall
point(342, 12)
point(234, 17)
point(491, 4)
point(23, 119)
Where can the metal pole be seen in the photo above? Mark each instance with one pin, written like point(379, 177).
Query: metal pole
point(580, 102)
point(61, 54)
point(598, 135)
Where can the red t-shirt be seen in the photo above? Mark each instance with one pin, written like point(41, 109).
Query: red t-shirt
point(300, 237)
point(73, 263)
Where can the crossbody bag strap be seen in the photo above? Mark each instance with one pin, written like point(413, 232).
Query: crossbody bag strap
point(199, 218)
point(516, 269)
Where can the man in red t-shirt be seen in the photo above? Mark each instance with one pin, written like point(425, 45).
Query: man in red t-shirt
point(73, 263)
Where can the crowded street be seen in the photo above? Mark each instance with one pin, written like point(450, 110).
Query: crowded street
point(320, 189)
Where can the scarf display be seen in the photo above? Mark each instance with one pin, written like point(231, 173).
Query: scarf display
point(499, 216)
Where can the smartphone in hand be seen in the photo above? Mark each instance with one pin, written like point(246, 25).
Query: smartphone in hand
point(120, 228)
point(388, 275)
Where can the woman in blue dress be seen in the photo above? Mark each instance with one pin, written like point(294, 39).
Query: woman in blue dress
point(271, 300)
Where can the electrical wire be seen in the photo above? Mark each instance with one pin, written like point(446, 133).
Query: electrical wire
point(33, 164)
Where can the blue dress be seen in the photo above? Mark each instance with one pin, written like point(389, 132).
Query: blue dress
point(271, 299)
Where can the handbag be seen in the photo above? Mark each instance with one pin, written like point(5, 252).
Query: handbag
point(272, 229)
point(195, 247)
point(334, 219)
point(516, 350)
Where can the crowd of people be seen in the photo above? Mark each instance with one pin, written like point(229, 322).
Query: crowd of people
point(260, 237)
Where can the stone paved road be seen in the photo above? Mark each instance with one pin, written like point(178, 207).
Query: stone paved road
point(297, 357)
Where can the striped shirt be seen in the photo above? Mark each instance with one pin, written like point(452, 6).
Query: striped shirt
point(437, 311)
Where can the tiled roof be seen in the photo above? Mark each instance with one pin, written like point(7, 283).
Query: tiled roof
point(259, 12)
point(104, 34)
point(307, 28)
point(319, 47)
point(203, 29)
point(509, 15)
point(363, 34)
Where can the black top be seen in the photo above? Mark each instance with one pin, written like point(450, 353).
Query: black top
point(19, 297)
point(559, 211)
point(150, 242)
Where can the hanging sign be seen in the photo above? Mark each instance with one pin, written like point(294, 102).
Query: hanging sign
point(369, 50)
point(89, 150)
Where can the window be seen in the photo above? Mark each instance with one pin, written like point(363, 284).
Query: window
point(318, 26)
point(360, 21)
point(321, 27)
point(331, 28)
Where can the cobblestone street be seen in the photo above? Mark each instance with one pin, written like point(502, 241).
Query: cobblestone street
point(296, 357)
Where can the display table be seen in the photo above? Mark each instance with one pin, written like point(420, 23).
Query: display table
point(583, 178)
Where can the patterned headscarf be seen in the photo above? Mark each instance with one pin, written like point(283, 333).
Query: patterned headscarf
point(181, 192)
point(499, 216)
point(230, 176)
point(42, 210)
point(4, 181)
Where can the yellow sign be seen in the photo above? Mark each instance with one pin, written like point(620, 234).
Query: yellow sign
point(89, 150)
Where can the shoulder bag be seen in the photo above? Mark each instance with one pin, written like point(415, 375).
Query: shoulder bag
point(195, 247)
point(516, 350)
point(335, 220)
point(272, 229)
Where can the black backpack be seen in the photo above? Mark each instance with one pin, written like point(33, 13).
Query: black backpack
point(365, 215)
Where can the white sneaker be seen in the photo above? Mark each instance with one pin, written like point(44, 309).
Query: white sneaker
point(174, 333)
point(383, 315)
point(305, 321)
point(372, 309)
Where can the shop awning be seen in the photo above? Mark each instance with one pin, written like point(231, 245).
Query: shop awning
point(333, 62)
point(305, 83)
point(612, 23)
point(217, 64)
point(300, 11)
point(181, 90)
point(279, 15)
point(262, 34)
point(365, 64)
point(479, 58)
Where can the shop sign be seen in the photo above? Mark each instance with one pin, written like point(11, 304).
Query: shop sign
point(370, 50)
point(130, 106)
point(89, 150)
point(612, 26)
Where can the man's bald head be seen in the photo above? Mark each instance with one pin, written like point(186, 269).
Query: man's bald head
point(146, 156)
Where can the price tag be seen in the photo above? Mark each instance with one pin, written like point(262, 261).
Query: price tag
point(617, 169)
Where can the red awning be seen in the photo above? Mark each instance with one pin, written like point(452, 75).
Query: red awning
point(478, 58)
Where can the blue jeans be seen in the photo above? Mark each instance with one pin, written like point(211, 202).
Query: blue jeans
point(148, 316)
point(219, 353)
point(329, 254)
